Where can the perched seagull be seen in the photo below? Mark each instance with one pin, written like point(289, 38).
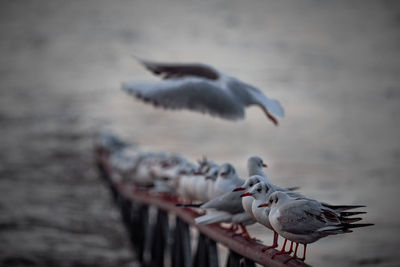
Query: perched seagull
point(169, 171)
point(201, 88)
point(110, 142)
point(304, 221)
point(226, 204)
point(202, 188)
point(123, 163)
point(226, 181)
point(198, 186)
point(247, 202)
point(255, 166)
point(261, 192)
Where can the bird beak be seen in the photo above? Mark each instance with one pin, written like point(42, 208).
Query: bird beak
point(263, 205)
point(264, 165)
point(208, 177)
point(238, 189)
point(247, 194)
point(197, 173)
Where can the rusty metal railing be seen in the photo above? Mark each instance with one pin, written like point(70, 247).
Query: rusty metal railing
point(158, 242)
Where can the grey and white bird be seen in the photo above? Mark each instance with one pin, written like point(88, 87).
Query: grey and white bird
point(261, 192)
point(201, 88)
point(247, 203)
point(223, 203)
point(255, 166)
point(226, 181)
point(304, 221)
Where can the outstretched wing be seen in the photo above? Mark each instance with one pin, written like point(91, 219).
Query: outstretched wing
point(174, 70)
point(249, 95)
point(271, 107)
point(197, 94)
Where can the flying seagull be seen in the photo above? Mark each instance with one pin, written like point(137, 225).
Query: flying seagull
point(201, 88)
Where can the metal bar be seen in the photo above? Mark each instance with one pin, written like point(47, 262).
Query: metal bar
point(181, 252)
point(237, 244)
point(139, 222)
point(212, 253)
point(201, 258)
point(247, 263)
point(176, 259)
point(233, 259)
point(206, 253)
point(185, 240)
point(159, 239)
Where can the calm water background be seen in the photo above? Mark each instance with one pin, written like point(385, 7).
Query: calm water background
point(334, 67)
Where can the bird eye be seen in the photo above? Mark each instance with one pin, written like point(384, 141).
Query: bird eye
point(276, 200)
point(270, 201)
point(251, 184)
point(259, 190)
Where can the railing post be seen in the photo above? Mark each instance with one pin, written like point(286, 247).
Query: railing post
point(236, 260)
point(139, 222)
point(233, 259)
point(181, 251)
point(159, 239)
point(206, 253)
point(247, 263)
point(201, 257)
point(213, 253)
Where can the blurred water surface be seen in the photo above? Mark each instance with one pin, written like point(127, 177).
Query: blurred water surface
point(333, 65)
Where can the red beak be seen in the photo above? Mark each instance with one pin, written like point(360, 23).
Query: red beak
point(238, 189)
point(263, 205)
point(247, 194)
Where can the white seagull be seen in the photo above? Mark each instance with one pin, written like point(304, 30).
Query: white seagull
point(304, 221)
point(261, 192)
point(201, 88)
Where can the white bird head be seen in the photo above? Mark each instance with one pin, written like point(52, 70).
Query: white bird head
point(278, 198)
point(227, 171)
point(260, 190)
point(212, 173)
point(255, 166)
point(255, 179)
point(255, 163)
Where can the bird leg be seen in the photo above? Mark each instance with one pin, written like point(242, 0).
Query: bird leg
point(245, 234)
point(233, 228)
point(294, 254)
point(304, 253)
point(283, 249)
point(274, 244)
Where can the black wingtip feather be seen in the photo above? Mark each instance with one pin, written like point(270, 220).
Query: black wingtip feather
point(188, 205)
point(357, 225)
point(351, 213)
point(343, 207)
